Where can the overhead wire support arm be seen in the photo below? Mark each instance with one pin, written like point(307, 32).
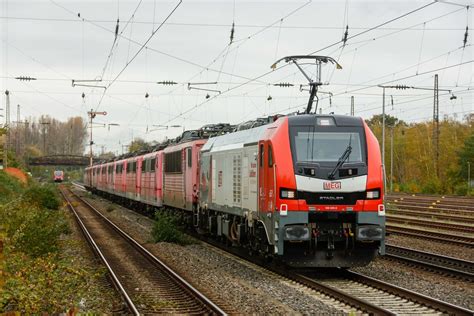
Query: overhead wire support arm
point(190, 86)
point(75, 84)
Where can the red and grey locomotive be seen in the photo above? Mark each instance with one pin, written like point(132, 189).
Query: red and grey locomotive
point(305, 188)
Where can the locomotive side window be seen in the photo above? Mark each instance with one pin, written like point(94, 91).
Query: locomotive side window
point(270, 156)
point(129, 167)
point(152, 164)
point(261, 156)
point(190, 157)
point(173, 162)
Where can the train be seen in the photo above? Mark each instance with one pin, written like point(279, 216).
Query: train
point(58, 176)
point(307, 189)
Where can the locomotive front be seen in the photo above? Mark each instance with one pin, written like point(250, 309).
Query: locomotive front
point(330, 199)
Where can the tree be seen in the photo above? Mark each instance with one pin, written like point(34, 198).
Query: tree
point(106, 156)
point(50, 136)
point(390, 121)
point(465, 155)
point(138, 144)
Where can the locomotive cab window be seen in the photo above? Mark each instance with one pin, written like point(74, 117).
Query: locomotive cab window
point(270, 156)
point(261, 156)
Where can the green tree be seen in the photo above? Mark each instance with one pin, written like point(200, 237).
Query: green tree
point(465, 156)
point(390, 121)
point(138, 144)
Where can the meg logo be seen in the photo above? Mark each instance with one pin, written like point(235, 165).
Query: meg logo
point(332, 185)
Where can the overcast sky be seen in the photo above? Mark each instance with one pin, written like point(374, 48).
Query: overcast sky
point(60, 41)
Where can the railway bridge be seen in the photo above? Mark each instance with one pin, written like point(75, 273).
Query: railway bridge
point(59, 160)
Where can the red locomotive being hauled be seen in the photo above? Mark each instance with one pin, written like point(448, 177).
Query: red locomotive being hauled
point(307, 189)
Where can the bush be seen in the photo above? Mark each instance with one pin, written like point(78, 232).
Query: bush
point(166, 230)
point(9, 187)
point(410, 187)
point(32, 230)
point(432, 186)
point(461, 189)
point(43, 196)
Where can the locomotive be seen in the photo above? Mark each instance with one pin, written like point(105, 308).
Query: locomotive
point(58, 176)
point(307, 189)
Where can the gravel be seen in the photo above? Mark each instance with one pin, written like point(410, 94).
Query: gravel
point(247, 288)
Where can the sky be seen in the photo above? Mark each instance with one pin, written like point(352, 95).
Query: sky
point(72, 49)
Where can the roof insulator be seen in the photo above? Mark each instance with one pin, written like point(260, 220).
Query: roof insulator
point(232, 33)
point(346, 33)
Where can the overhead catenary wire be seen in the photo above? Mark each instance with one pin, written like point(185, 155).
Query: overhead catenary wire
point(358, 34)
point(421, 46)
point(138, 51)
point(375, 27)
point(233, 77)
point(184, 24)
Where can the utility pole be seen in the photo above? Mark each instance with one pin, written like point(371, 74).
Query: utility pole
point(435, 115)
point(391, 159)
point(7, 127)
point(17, 132)
point(383, 127)
point(436, 124)
point(44, 136)
point(92, 115)
point(352, 105)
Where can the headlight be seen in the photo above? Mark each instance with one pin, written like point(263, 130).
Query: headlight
point(287, 194)
point(370, 232)
point(373, 194)
point(297, 232)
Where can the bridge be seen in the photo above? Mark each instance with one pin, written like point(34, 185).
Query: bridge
point(59, 160)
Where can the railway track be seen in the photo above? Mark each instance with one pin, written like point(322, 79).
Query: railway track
point(466, 204)
point(145, 283)
point(362, 293)
point(450, 266)
point(466, 241)
point(428, 222)
point(377, 297)
point(432, 215)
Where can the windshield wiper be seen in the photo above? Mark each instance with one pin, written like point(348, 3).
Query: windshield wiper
point(345, 155)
